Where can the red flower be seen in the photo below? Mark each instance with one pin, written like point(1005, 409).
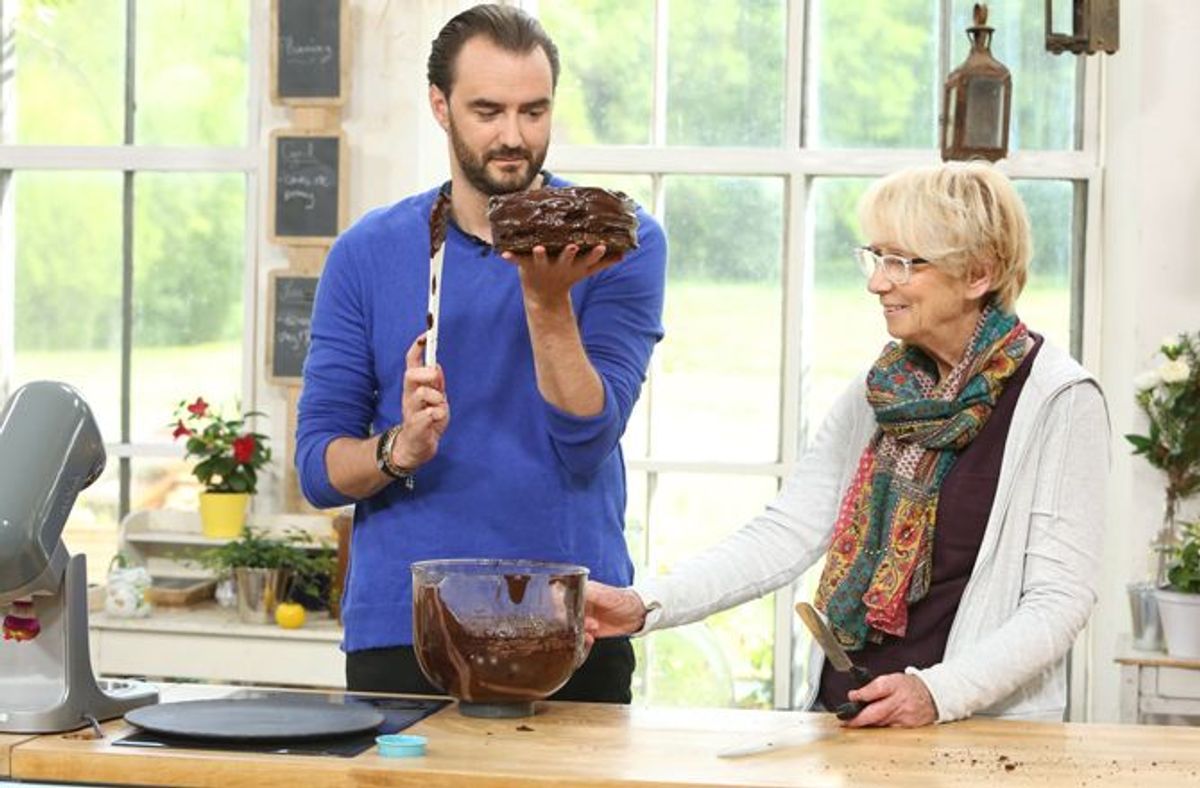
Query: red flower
point(243, 448)
point(181, 430)
point(199, 407)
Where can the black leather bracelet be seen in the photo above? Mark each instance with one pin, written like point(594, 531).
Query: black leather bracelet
point(383, 457)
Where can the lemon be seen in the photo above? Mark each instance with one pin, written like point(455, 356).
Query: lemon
point(289, 615)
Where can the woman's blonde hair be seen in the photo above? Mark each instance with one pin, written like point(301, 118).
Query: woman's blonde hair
point(960, 216)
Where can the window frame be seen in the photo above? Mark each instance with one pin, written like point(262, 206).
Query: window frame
point(798, 165)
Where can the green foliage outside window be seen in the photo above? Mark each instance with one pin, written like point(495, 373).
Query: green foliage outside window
point(68, 66)
point(604, 91)
point(725, 76)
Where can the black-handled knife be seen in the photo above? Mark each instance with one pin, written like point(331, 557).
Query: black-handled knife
point(837, 657)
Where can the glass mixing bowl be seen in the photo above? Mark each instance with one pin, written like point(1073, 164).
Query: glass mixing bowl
point(498, 634)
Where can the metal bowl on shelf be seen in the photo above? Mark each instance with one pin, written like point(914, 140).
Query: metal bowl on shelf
point(498, 634)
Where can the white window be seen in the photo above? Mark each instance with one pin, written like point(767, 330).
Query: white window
point(128, 169)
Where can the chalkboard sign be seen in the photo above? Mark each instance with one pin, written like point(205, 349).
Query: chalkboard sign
point(308, 52)
point(308, 195)
point(289, 321)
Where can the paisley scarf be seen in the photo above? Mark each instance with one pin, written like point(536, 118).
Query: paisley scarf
point(880, 560)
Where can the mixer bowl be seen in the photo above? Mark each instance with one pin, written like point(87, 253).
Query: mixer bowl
point(498, 634)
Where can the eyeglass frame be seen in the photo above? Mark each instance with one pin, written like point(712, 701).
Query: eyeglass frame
point(880, 263)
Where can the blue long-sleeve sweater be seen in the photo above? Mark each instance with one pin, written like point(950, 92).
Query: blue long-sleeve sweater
point(514, 477)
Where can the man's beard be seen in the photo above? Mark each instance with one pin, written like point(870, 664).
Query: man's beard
point(474, 167)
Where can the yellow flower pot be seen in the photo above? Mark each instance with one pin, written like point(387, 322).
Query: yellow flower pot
point(223, 514)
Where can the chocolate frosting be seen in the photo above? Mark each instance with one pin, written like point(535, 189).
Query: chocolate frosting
point(555, 217)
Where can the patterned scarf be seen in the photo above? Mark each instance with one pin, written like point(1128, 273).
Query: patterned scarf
point(880, 560)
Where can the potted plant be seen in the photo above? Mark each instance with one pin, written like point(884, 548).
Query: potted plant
point(268, 571)
point(229, 458)
point(1169, 396)
point(1179, 602)
point(312, 586)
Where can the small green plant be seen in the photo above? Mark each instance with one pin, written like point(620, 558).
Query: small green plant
point(312, 566)
point(253, 550)
point(314, 576)
point(1184, 574)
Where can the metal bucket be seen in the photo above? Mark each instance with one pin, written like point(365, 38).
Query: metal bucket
point(259, 591)
point(1147, 626)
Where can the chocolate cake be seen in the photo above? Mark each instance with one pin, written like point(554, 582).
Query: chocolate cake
point(554, 217)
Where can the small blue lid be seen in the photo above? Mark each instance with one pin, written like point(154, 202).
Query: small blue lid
point(400, 745)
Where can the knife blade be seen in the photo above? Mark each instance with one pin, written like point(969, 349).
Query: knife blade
point(791, 736)
point(435, 302)
point(754, 748)
point(836, 655)
point(438, 220)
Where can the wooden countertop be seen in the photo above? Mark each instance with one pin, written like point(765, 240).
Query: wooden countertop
point(7, 742)
point(598, 745)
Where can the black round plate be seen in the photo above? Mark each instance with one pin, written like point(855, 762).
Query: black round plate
point(255, 719)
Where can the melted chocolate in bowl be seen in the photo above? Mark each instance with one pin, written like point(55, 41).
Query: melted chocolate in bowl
point(498, 635)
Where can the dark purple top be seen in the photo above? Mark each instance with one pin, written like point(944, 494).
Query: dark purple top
point(964, 504)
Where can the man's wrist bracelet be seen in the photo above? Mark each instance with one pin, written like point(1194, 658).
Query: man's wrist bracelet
point(383, 457)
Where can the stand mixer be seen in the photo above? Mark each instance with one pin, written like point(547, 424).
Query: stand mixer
point(50, 450)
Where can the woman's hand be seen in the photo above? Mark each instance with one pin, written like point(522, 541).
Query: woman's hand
point(611, 611)
point(897, 700)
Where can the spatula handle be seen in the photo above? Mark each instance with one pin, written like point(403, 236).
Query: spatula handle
point(850, 709)
point(861, 676)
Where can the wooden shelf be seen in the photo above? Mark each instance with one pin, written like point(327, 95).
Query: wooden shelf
point(167, 526)
point(199, 540)
point(213, 620)
point(206, 642)
point(171, 537)
point(168, 542)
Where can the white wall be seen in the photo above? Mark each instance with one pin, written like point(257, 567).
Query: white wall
point(1151, 275)
point(1151, 203)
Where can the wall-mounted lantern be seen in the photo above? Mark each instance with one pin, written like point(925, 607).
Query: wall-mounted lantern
point(1095, 26)
point(977, 100)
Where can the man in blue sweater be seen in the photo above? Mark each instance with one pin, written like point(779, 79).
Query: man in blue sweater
point(542, 358)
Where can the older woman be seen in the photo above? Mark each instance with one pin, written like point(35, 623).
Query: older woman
point(954, 491)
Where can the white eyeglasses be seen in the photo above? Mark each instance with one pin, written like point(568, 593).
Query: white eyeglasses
point(896, 268)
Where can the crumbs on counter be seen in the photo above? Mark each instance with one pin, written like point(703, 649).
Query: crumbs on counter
point(524, 728)
point(1009, 765)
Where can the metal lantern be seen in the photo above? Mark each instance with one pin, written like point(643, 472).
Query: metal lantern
point(977, 100)
point(1095, 25)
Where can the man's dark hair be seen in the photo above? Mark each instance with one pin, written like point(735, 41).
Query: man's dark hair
point(507, 27)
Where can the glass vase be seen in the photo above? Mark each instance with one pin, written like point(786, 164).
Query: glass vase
point(1166, 542)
